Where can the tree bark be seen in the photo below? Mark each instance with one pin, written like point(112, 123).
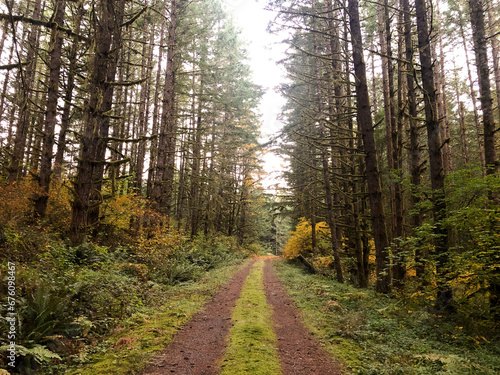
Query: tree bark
point(165, 164)
point(443, 102)
point(461, 120)
point(389, 114)
point(444, 298)
point(383, 284)
point(195, 169)
point(494, 51)
point(490, 157)
point(88, 180)
point(481, 51)
point(68, 96)
point(325, 166)
point(56, 41)
point(26, 90)
point(147, 54)
point(480, 135)
point(153, 152)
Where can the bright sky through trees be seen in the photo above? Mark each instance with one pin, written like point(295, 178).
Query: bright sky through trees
point(264, 50)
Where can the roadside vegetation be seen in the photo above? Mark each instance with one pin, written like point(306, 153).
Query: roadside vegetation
point(377, 334)
point(121, 293)
point(148, 331)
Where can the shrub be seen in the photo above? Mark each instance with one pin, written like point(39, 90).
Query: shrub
point(156, 244)
point(300, 241)
point(16, 206)
point(58, 207)
point(177, 270)
point(104, 295)
point(24, 243)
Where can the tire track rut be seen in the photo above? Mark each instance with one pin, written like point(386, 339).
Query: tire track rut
point(199, 346)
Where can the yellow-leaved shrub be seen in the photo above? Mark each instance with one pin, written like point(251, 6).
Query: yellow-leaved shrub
point(300, 241)
point(16, 205)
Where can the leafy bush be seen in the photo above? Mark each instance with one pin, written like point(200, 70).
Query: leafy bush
point(45, 312)
point(189, 260)
point(213, 251)
point(16, 206)
point(23, 243)
point(59, 206)
point(71, 296)
point(376, 334)
point(300, 240)
point(45, 318)
point(473, 269)
point(177, 270)
point(104, 295)
point(157, 243)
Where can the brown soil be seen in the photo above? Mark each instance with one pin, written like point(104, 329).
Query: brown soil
point(298, 352)
point(198, 347)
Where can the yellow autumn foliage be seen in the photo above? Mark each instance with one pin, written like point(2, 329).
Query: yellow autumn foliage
point(16, 203)
point(300, 241)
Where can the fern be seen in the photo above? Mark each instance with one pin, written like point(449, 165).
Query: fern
point(39, 352)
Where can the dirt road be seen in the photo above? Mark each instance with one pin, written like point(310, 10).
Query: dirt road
point(199, 347)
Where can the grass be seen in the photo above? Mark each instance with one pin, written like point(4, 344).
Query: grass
point(252, 342)
point(135, 341)
point(373, 334)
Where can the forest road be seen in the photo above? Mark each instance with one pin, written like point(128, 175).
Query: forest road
point(298, 352)
point(198, 348)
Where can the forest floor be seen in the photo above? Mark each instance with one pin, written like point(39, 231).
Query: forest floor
point(250, 326)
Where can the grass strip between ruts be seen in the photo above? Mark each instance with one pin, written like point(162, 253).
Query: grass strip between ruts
point(252, 342)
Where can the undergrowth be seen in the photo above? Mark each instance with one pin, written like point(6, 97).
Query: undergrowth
point(252, 342)
point(374, 334)
point(136, 339)
point(72, 300)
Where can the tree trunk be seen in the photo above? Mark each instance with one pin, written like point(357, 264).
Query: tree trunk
point(195, 169)
point(440, 80)
point(68, 96)
point(461, 120)
point(490, 157)
point(153, 153)
point(481, 51)
point(6, 80)
point(165, 164)
point(388, 91)
point(56, 41)
point(26, 91)
point(444, 297)
point(143, 106)
point(325, 165)
point(93, 144)
point(399, 268)
point(365, 123)
point(494, 51)
point(480, 136)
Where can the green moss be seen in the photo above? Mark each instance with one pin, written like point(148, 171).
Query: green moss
point(143, 335)
point(252, 342)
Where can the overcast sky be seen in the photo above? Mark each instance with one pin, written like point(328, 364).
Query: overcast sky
point(264, 51)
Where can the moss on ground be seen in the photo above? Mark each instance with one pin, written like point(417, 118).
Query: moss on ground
point(141, 336)
point(252, 342)
point(373, 334)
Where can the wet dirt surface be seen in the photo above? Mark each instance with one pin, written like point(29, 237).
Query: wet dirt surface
point(298, 352)
point(198, 347)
